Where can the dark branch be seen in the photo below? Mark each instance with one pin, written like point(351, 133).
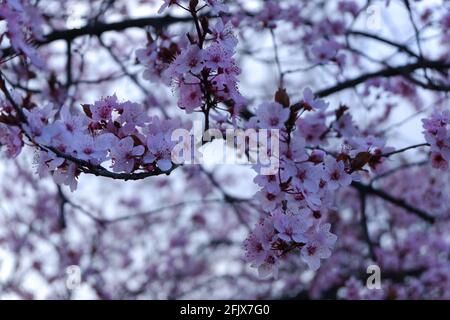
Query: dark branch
point(399, 46)
point(362, 199)
point(387, 72)
point(395, 201)
point(405, 149)
point(99, 28)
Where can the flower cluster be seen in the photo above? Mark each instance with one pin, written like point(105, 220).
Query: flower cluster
point(208, 73)
point(24, 25)
point(118, 132)
point(437, 134)
point(296, 200)
point(11, 140)
point(203, 70)
point(156, 56)
point(281, 233)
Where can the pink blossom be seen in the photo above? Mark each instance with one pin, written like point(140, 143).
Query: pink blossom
point(345, 125)
point(371, 144)
point(47, 162)
point(37, 119)
point(445, 21)
point(325, 52)
point(92, 149)
point(270, 14)
point(259, 242)
point(190, 60)
point(438, 161)
point(436, 121)
point(319, 246)
point(327, 139)
point(190, 97)
point(217, 57)
point(317, 156)
point(295, 151)
point(124, 155)
point(349, 6)
point(102, 109)
point(303, 198)
point(269, 182)
point(71, 123)
point(159, 151)
point(223, 34)
point(23, 20)
point(131, 116)
point(272, 115)
point(291, 228)
point(307, 176)
point(258, 249)
point(150, 58)
point(11, 140)
point(335, 174)
point(67, 174)
point(311, 101)
point(311, 127)
point(268, 267)
point(269, 201)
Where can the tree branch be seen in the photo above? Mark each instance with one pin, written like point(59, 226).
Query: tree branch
point(97, 28)
point(395, 201)
point(399, 46)
point(387, 72)
point(405, 149)
point(362, 199)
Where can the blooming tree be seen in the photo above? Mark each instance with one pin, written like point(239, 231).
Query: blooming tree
point(354, 97)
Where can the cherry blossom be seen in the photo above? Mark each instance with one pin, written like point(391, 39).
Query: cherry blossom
point(124, 154)
point(216, 57)
point(291, 228)
point(11, 138)
point(311, 102)
point(272, 115)
point(318, 248)
point(23, 22)
point(325, 51)
point(223, 34)
point(335, 174)
point(191, 59)
point(259, 249)
point(102, 110)
point(160, 152)
point(437, 135)
point(190, 96)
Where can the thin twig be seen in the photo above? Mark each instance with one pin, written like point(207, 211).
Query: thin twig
point(362, 199)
